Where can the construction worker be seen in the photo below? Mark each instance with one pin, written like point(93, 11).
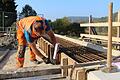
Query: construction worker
point(29, 29)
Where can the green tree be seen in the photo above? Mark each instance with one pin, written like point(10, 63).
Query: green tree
point(10, 13)
point(1, 5)
point(60, 25)
point(28, 11)
point(9, 6)
point(74, 29)
point(64, 27)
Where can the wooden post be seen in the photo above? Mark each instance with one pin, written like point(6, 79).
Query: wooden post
point(118, 29)
point(65, 70)
point(46, 48)
point(109, 51)
point(90, 20)
point(81, 74)
point(3, 20)
point(7, 31)
point(39, 42)
point(50, 52)
point(10, 31)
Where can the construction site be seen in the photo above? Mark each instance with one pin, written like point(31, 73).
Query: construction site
point(91, 57)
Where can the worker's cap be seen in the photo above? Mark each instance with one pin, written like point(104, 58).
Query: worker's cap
point(41, 27)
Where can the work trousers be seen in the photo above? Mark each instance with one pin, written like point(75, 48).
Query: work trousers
point(21, 49)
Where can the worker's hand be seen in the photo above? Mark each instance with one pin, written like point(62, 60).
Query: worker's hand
point(47, 37)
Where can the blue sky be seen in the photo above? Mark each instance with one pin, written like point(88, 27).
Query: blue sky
point(53, 9)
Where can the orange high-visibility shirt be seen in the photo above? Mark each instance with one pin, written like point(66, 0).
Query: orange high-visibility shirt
point(25, 23)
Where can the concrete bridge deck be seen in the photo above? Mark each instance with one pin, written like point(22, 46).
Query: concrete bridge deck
point(37, 71)
point(30, 69)
point(10, 61)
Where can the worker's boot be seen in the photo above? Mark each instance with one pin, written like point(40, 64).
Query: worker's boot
point(36, 61)
point(19, 63)
point(53, 61)
point(46, 60)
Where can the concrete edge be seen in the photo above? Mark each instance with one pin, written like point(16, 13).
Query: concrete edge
point(90, 45)
point(29, 72)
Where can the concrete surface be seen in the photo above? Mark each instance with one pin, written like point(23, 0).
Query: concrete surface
point(46, 77)
point(10, 61)
point(99, 75)
point(8, 66)
point(3, 54)
point(30, 72)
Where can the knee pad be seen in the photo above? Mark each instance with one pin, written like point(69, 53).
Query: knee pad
point(21, 51)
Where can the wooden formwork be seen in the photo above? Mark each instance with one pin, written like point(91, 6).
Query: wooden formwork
point(72, 73)
point(77, 71)
point(48, 49)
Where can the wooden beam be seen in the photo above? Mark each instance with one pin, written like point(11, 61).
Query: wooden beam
point(109, 51)
point(29, 72)
point(90, 20)
point(102, 24)
point(65, 70)
point(118, 28)
point(80, 65)
point(116, 39)
point(81, 74)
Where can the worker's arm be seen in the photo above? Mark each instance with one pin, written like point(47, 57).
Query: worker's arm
point(35, 50)
point(52, 36)
point(50, 33)
point(32, 44)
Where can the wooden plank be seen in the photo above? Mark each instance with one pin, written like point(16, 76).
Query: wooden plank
point(78, 65)
point(29, 72)
point(118, 28)
point(90, 20)
point(70, 62)
point(45, 77)
point(81, 74)
point(102, 24)
point(100, 37)
point(64, 70)
point(109, 51)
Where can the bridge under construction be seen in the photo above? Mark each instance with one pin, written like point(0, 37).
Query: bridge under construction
point(91, 57)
